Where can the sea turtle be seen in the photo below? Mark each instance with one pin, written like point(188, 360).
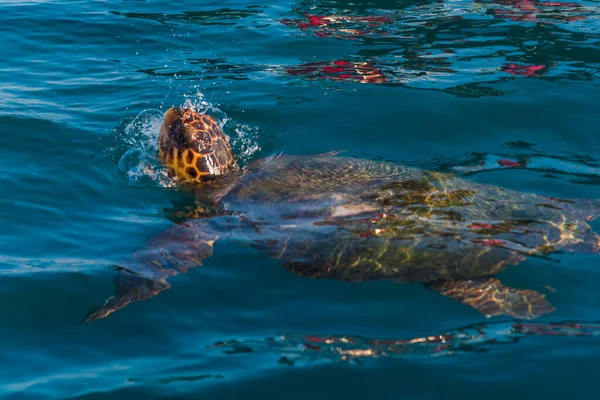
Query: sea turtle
point(330, 216)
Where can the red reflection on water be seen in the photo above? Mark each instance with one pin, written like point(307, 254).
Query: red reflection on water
point(346, 348)
point(529, 10)
point(339, 70)
point(339, 26)
point(523, 70)
point(509, 163)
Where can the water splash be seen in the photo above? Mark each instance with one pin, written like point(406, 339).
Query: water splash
point(198, 103)
point(139, 163)
point(246, 144)
point(244, 138)
point(136, 143)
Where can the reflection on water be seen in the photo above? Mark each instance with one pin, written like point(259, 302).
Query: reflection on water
point(456, 46)
point(342, 26)
point(578, 169)
point(537, 11)
point(339, 70)
point(448, 45)
point(295, 348)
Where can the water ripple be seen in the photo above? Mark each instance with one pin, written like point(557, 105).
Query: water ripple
point(477, 338)
point(218, 17)
point(500, 91)
point(434, 46)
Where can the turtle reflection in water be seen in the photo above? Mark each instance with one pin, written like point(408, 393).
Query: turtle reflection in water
point(327, 216)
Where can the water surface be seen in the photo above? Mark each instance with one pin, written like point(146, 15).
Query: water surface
point(504, 92)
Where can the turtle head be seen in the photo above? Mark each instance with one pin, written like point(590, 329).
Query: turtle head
point(193, 146)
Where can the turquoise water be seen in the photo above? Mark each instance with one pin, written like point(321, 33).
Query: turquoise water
point(504, 92)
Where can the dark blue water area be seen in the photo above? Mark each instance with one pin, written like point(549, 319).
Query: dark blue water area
point(504, 92)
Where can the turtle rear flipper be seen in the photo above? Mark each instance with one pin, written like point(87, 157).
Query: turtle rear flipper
point(491, 298)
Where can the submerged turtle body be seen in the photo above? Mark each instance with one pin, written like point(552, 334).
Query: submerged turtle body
point(355, 220)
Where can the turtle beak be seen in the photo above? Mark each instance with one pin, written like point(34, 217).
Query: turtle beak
point(171, 119)
point(172, 115)
point(166, 136)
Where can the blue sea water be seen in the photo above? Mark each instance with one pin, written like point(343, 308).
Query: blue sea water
point(505, 92)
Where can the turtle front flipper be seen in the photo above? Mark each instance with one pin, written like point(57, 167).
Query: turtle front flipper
point(129, 287)
point(491, 298)
point(144, 274)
